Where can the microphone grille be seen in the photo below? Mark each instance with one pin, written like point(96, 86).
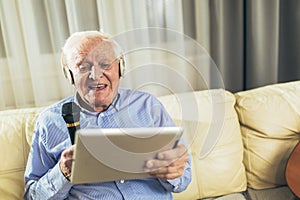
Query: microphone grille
point(71, 112)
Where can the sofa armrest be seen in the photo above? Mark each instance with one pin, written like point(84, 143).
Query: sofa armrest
point(16, 129)
point(270, 124)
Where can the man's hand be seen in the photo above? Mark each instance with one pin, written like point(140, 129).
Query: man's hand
point(66, 160)
point(169, 164)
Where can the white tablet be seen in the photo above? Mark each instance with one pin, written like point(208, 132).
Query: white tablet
point(118, 153)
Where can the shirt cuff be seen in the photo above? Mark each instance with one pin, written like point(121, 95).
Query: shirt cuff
point(171, 185)
point(58, 180)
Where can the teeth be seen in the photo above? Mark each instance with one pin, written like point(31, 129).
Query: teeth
point(97, 86)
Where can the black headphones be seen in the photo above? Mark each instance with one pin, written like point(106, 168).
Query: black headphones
point(121, 65)
point(69, 75)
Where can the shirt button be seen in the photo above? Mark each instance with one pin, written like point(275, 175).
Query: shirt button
point(122, 181)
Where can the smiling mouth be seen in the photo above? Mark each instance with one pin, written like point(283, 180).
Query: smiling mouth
point(97, 87)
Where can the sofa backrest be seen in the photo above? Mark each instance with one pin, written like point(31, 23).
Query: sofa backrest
point(210, 119)
point(270, 124)
point(212, 134)
point(16, 128)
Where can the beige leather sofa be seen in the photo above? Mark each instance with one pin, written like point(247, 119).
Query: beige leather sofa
point(239, 143)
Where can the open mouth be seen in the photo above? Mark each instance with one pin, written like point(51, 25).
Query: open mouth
point(97, 87)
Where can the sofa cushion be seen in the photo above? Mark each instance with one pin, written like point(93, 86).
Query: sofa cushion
point(213, 137)
point(270, 124)
point(16, 128)
point(234, 196)
point(278, 193)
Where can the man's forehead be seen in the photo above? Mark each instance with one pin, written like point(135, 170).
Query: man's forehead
point(103, 50)
point(100, 50)
point(105, 46)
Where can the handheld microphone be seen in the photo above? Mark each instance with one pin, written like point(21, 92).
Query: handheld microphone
point(71, 115)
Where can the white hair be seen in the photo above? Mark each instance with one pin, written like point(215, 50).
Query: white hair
point(74, 45)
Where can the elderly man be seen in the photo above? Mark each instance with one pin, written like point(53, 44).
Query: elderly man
point(93, 63)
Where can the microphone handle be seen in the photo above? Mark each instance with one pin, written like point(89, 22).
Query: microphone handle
point(72, 132)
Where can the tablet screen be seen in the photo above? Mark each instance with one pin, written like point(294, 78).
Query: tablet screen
point(118, 153)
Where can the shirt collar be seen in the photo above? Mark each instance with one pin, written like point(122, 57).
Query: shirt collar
point(115, 105)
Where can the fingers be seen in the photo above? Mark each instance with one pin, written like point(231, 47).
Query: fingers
point(159, 165)
point(167, 172)
point(67, 154)
point(169, 165)
point(172, 153)
point(66, 161)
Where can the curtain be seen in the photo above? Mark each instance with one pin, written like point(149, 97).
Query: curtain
point(32, 35)
point(185, 44)
point(252, 42)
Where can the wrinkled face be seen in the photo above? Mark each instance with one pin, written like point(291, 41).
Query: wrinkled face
point(96, 76)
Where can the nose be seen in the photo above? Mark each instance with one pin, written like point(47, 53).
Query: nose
point(96, 73)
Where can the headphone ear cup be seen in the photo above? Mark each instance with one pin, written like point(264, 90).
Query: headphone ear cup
point(121, 67)
point(68, 74)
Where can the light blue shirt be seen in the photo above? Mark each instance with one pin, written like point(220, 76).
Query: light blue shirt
point(43, 177)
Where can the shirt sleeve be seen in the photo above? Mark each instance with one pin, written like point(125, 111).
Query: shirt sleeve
point(179, 184)
point(53, 185)
point(43, 177)
point(162, 118)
